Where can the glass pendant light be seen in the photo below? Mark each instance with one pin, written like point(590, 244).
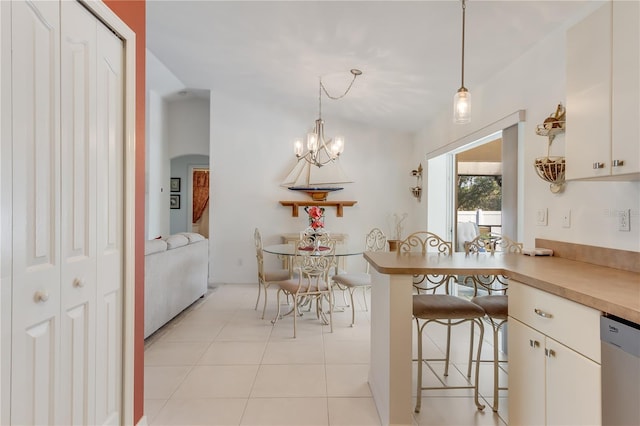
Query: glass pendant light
point(462, 98)
point(462, 106)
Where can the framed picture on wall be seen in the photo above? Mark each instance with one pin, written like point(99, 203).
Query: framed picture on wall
point(174, 201)
point(175, 185)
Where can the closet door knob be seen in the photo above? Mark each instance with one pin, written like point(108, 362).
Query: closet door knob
point(41, 296)
point(78, 283)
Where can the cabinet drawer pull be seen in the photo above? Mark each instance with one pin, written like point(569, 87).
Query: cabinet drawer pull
point(534, 343)
point(542, 313)
point(617, 163)
point(41, 296)
point(78, 283)
point(597, 165)
point(550, 353)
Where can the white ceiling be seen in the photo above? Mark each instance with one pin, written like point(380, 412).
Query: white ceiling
point(273, 52)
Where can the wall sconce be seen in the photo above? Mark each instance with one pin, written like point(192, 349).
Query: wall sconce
point(417, 190)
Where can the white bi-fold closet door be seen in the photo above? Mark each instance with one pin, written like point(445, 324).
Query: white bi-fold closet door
point(67, 212)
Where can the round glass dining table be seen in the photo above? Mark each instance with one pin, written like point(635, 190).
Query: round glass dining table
point(290, 250)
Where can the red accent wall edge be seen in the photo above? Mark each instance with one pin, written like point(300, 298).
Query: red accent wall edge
point(133, 13)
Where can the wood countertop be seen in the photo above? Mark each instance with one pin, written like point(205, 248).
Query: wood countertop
point(613, 291)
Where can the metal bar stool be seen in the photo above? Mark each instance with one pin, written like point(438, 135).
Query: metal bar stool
point(442, 308)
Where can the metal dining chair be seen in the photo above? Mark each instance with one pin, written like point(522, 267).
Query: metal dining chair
point(434, 304)
point(351, 281)
point(265, 277)
point(312, 262)
point(490, 293)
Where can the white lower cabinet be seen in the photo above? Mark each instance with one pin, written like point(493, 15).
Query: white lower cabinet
point(551, 383)
point(526, 378)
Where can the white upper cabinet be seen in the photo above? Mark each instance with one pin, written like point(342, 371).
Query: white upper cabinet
point(625, 128)
point(603, 74)
point(588, 132)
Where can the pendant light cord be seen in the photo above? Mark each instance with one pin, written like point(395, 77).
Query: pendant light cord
point(464, 9)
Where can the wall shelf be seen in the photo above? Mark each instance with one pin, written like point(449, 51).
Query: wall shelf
point(339, 205)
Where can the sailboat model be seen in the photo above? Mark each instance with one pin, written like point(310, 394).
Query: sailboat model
point(316, 181)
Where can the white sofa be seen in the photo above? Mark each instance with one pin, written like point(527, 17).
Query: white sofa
point(176, 271)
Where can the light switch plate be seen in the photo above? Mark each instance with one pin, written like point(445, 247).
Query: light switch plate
point(566, 218)
point(623, 220)
point(541, 217)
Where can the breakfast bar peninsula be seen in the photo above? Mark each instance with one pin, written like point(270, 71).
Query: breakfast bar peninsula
point(607, 290)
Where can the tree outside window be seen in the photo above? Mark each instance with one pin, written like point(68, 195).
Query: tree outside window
point(479, 192)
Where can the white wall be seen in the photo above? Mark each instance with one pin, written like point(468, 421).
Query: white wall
point(160, 83)
point(188, 134)
point(5, 188)
point(188, 127)
point(176, 126)
point(436, 183)
point(536, 83)
point(252, 152)
point(157, 168)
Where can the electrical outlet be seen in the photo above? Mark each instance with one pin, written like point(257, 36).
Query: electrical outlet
point(566, 218)
point(541, 217)
point(623, 220)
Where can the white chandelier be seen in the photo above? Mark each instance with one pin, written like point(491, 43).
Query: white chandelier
point(462, 98)
point(321, 151)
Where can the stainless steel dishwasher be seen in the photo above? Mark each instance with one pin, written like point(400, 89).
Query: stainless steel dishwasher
point(620, 371)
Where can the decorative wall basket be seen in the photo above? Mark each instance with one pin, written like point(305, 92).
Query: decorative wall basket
point(416, 191)
point(551, 169)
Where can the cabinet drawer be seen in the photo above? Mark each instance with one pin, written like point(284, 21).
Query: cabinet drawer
point(570, 323)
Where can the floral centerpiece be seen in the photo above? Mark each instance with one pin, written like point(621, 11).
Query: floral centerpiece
point(316, 225)
point(316, 219)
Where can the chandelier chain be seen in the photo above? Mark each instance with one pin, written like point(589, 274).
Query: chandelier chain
point(335, 98)
point(321, 89)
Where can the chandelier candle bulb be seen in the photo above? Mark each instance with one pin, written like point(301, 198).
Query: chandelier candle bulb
point(338, 145)
point(312, 142)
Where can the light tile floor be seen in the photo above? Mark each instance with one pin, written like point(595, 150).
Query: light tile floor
point(218, 363)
